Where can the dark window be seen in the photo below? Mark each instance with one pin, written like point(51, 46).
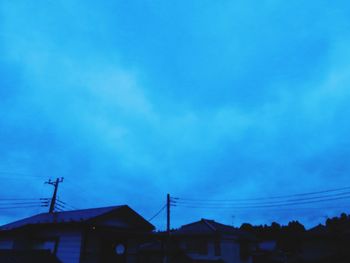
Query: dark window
point(48, 243)
point(245, 250)
point(217, 248)
point(198, 246)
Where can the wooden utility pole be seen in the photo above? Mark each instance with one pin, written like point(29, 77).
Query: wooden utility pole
point(54, 196)
point(167, 238)
point(168, 214)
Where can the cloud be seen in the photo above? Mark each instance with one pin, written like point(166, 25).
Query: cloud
point(216, 99)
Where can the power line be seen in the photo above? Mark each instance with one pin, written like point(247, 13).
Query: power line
point(163, 207)
point(59, 201)
point(16, 207)
point(19, 199)
point(21, 203)
point(225, 206)
point(59, 209)
point(24, 202)
point(66, 205)
point(267, 198)
point(72, 207)
point(58, 205)
point(195, 202)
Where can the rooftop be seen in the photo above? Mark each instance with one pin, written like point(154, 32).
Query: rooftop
point(210, 227)
point(74, 216)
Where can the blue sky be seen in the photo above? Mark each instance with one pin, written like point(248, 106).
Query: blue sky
point(130, 100)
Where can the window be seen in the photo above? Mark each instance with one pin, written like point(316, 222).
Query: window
point(197, 246)
point(217, 248)
point(37, 243)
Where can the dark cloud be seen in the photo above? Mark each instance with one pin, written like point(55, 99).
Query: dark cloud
point(131, 101)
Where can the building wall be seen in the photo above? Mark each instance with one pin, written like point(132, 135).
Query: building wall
point(318, 249)
point(91, 248)
point(229, 252)
point(98, 245)
point(202, 254)
point(68, 250)
point(6, 243)
point(68, 243)
point(267, 245)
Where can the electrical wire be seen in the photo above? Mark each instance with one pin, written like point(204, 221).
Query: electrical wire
point(292, 200)
point(262, 206)
point(58, 200)
point(59, 209)
point(17, 207)
point(64, 204)
point(182, 201)
point(59, 205)
point(156, 214)
point(266, 198)
point(72, 207)
point(21, 203)
point(19, 199)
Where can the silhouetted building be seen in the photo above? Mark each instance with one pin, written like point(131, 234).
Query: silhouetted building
point(110, 234)
point(210, 241)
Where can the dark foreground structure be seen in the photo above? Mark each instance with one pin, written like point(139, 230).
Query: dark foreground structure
point(110, 234)
point(120, 235)
point(201, 241)
point(117, 234)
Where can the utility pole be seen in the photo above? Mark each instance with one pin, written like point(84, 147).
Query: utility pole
point(54, 196)
point(168, 214)
point(167, 238)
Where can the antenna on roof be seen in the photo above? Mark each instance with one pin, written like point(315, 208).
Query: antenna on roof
point(233, 219)
point(54, 196)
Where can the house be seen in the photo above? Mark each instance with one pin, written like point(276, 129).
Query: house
point(210, 241)
point(203, 241)
point(162, 249)
point(108, 234)
point(267, 252)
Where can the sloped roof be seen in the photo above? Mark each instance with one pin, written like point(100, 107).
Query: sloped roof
point(74, 216)
point(208, 227)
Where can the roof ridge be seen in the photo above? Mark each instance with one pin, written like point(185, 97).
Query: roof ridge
point(221, 224)
point(86, 209)
point(60, 217)
point(206, 221)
